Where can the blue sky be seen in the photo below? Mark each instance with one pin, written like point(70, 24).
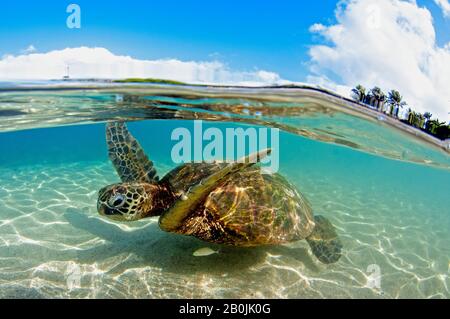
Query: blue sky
point(409, 50)
point(271, 35)
point(263, 34)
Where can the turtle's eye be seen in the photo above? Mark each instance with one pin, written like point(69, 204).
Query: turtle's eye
point(117, 200)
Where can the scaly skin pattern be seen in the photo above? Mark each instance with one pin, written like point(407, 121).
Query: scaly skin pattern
point(139, 200)
point(127, 155)
point(247, 209)
point(183, 177)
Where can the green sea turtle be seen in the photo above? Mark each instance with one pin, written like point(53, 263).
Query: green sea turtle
point(225, 203)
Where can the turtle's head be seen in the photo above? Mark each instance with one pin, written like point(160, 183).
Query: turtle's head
point(128, 201)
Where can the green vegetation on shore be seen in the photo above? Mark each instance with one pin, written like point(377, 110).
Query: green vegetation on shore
point(149, 80)
point(392, 103)
point(389, 104)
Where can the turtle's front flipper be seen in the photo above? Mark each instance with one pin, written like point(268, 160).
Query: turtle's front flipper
point(127, 155)
point(173, 218)
point(324, 241)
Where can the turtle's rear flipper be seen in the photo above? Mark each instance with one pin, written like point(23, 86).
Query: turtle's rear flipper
point(324, 241)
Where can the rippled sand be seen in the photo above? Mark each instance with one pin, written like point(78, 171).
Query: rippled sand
point(53, 244)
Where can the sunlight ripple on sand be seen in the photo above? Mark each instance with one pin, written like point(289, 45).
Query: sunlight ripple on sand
point(54, 244)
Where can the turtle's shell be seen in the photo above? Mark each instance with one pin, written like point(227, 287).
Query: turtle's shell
point(247, 209)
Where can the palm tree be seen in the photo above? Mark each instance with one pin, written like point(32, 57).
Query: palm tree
point(409, 117)
point(433, 126)
point(396, 102)
point(420, 120)
point(377, 97)
point(415, 119)
point(359, 93)
point(427, 116)
point(381, 101)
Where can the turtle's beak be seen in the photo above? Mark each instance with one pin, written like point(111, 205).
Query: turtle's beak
point(111, 213)
point(101, 208)
point(105, 210)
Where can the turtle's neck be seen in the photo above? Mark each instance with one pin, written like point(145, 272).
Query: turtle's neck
point(163, 199)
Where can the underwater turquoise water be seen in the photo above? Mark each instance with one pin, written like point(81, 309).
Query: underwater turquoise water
point(393, 215)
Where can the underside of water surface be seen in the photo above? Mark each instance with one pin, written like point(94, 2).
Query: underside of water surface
point(382, 185)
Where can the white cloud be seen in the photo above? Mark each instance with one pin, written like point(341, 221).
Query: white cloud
point(445, 6)
point(87, 62)
point(389, 43)
point(29, 49)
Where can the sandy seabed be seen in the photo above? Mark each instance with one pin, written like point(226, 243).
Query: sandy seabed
point(54, 244)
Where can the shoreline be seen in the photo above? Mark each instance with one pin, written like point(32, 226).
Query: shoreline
point(320, 93)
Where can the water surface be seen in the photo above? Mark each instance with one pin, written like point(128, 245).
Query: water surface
point(383, 188)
